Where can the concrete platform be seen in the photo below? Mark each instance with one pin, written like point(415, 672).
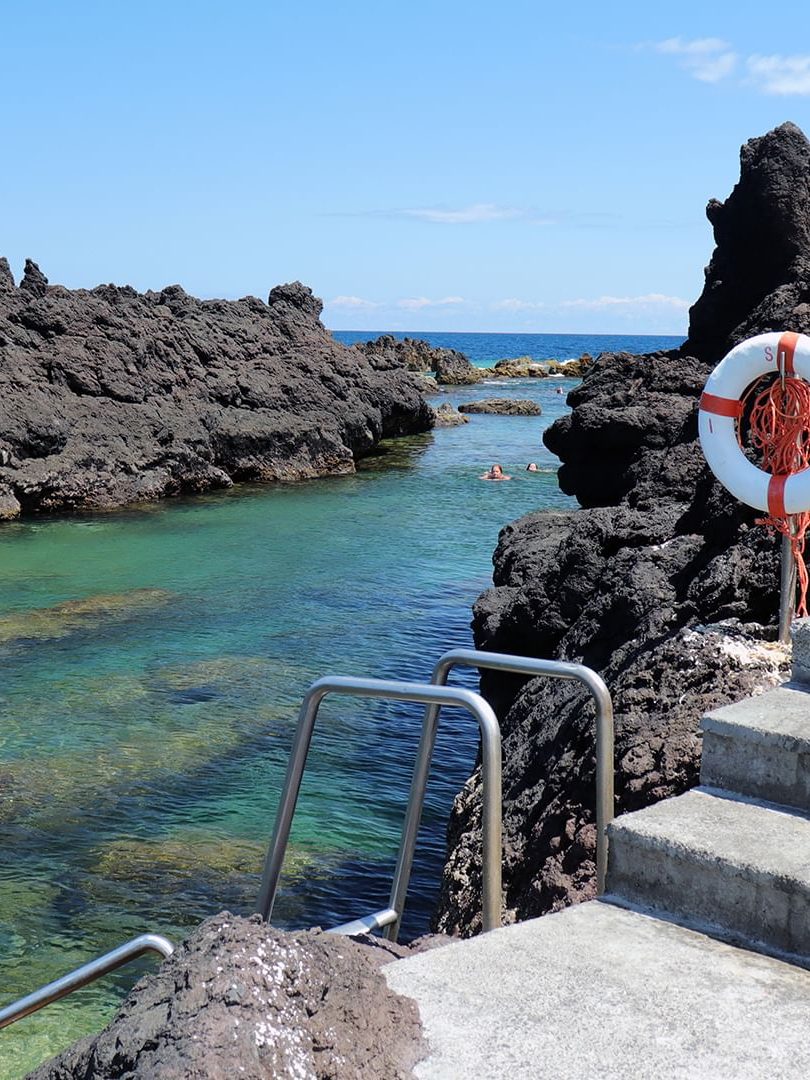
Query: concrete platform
point(740, 866)
point(761, 747)
point(601, 992)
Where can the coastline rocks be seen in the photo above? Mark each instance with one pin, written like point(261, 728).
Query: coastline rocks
point(522, 367)
point(759, 275)
point(454, 369)
point(662, 582)
point(502, 407)
point(109, 396)
point(450, 366)
point(240, 998)
point(448, 416)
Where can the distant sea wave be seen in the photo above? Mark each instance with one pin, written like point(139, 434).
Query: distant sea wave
point(485, 349)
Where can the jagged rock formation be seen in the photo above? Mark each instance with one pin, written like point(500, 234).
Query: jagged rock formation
point(109, 396)
point(655, 583)
point(502, 407)
point(451, 367)
point(759, 275)
point(240, 998)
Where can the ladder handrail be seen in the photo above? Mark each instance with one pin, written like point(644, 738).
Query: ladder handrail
point(394, 690)
point(83, 975)
point(523, 665)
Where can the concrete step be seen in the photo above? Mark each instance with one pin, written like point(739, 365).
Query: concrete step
point(597, 991)
point(735, 867)
point(761, 747)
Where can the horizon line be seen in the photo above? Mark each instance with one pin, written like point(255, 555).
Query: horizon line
point(493, 333)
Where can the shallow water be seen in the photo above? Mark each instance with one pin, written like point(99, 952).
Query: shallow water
point(153, 664)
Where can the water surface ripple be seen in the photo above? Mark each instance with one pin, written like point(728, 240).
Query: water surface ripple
point(153, 663)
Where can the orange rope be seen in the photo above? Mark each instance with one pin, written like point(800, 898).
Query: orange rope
point(780, 430)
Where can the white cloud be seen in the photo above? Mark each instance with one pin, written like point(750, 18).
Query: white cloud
point(602, 303)
point(706, 59)
point(780, 74)
point(353, 303)
point(513, 304)
point(418, 303)
point(467, 215)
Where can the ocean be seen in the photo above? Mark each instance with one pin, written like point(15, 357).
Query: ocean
point(154, 660)
point(484, 350)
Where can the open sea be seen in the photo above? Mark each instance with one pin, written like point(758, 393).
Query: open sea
point(153, 662)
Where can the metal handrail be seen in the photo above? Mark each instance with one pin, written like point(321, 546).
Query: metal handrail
point(421, 693)
point(87, 973)
point(523, 665)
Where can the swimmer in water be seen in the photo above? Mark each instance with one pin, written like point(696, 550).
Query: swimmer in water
point(532, 467)
point(495, 473)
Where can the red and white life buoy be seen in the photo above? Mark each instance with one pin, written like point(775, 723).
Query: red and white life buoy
point(721, 406)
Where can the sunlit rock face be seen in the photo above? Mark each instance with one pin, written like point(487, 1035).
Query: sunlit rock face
point(240, 998)
point(109, 396)
point(662, 582)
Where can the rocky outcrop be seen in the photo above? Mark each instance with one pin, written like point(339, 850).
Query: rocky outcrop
point(109, 396)
point(240, 998)
point(454, 369)
point(448, 416)
point(524, 367)
point(450, 366)
point(759, 275)
point(502, 407)
point(662, 582)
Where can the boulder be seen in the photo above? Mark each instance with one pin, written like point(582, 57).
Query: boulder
point(663, 582)
point(109, 396)
point(502, 407)
point(520, 368)
point(454, 369)
point(448, 416)
point(242, 999)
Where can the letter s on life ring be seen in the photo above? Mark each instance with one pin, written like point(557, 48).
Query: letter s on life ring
point(721, 406)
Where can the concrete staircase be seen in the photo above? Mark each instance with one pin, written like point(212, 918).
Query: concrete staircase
point(731, 857)
point(681, 969)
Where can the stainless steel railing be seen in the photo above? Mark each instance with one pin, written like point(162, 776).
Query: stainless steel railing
point(523, 665)
point(431, 695)
point(87, 973)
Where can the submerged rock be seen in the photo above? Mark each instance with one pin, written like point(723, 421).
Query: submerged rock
point(109, 396)
point(74, 616)
point(242, 999)
point(502, 407)
point(663, 582)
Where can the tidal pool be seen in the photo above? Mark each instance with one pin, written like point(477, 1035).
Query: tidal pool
point(153, 662)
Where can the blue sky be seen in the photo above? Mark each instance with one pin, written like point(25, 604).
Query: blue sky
point(446, 166)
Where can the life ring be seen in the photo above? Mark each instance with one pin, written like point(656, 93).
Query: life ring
point(721, 406)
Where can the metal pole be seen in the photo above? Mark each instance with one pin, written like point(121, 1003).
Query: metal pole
point(86, 974)
point(521, 665)
point(421, 693)
point(787, 587)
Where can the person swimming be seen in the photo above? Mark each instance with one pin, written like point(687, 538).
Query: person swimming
point(532, 467)
point(495, 473)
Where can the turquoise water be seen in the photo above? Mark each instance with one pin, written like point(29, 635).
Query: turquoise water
point(153, 663)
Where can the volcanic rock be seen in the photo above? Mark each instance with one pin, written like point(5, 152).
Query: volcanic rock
point(448, 416)
point(502, 407)
point(239, 998)
point(758, 279)
point(521, 367)
point(109, 396)
point(662, 582)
